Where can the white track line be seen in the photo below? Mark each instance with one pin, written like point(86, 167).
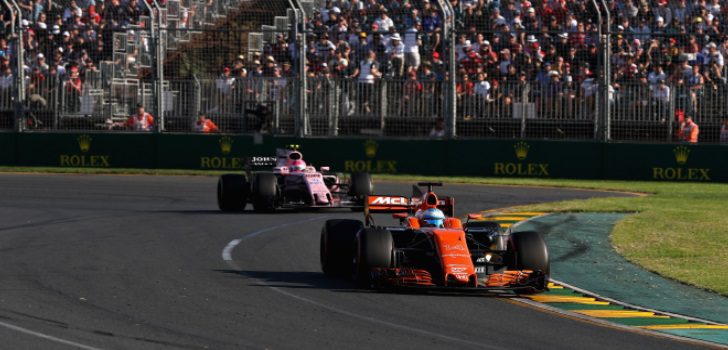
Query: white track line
point(46, 336)
point(228, 250)
point(227, 256)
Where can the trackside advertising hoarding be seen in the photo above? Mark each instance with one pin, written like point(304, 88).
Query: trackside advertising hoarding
point(492, 158)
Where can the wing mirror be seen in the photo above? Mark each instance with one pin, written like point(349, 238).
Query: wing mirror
point(475, 217)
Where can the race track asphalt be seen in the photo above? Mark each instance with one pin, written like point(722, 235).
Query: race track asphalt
point(135, 262)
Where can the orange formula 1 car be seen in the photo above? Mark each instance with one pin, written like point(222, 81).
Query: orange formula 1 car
point(431, 250)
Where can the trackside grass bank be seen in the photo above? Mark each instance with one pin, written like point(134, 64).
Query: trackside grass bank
point(679, 230)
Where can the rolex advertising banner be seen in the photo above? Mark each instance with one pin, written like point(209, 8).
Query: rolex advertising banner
point(521, 158)
point(682, 162)
point(206, 152)
point(87, 150)
point(492, 158)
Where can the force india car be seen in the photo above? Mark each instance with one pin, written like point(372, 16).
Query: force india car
point(284, 188)
point(477, 256)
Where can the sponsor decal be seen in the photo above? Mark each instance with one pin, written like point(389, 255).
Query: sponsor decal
point(453, 247)
point(681, 171)
point(223, 161)
point(383, 200)
point(521, 167)
point(85, 159)
point(371, 165)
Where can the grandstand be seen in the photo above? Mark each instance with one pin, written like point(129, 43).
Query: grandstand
point(500, 69)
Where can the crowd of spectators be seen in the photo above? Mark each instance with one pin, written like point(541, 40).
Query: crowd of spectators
point(663, 53)
point(65, 41)
point(661, 50)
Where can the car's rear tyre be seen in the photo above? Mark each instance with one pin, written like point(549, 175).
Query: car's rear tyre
point(264, 192)
point(337, 246)
point(529, 252)
point(360, 187)
point(232, 192)
point(374, 249)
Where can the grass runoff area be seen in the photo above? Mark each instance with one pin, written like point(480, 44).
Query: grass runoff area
point(679, 230)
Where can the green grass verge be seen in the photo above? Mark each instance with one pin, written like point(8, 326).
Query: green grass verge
point(679, 230)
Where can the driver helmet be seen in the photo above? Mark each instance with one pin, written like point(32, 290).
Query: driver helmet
point(298, 165)
point(433, 217)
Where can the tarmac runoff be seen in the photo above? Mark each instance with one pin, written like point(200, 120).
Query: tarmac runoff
point(612, 289)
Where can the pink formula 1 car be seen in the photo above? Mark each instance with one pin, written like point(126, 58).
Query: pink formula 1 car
point(291, 184)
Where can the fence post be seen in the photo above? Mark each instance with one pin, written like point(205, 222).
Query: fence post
point(20, 63)
point(159, 47)
point(197, 101)
point(602, 88)
point(449, 34)
point(607, 73)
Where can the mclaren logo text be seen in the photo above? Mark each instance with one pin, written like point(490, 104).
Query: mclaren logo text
point(389, 201)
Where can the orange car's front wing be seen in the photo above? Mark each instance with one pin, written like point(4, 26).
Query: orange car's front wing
point(524, 281)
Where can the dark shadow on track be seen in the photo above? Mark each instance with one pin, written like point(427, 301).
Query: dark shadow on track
point(289, 279)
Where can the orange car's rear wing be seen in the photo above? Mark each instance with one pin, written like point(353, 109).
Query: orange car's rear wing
point(398, 204)
point(387, 204)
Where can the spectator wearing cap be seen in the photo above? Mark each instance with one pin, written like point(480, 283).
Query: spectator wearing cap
point(689, 130)
point(711, 54)
point(238, 67)
point(662, 11)
point(395, 51)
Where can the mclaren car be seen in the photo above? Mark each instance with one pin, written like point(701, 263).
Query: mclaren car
point(475, 256)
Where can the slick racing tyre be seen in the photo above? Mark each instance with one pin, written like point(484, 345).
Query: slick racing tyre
point(264, 192)
point(337, 246)
point(360, 187)
point(530, 253)
point(232, 192)
point(375, 249)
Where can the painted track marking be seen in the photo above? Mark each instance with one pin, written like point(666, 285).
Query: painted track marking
point(46, 336)
point(227, 257)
